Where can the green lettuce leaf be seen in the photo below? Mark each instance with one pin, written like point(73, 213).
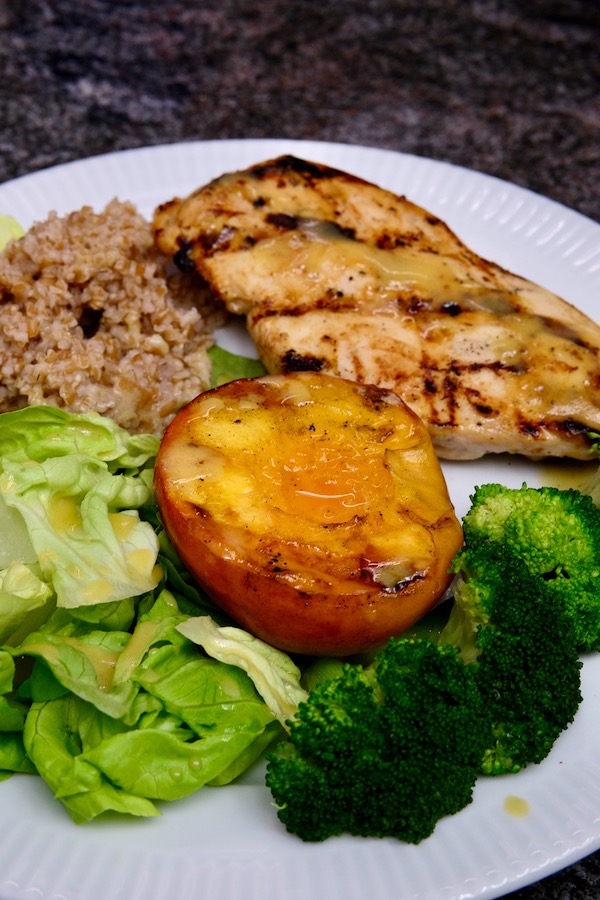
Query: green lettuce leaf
point(100, 692)
point(42, 432)
point(111, 719)
point(84, 665)
point(15, 545)
point(274, 674)
point(53, 741)
point(228, 366)
point(78, 482)
point(12, 712)
point(13, 757)
point(22, 595)
point(9, 230)
point(7, 671)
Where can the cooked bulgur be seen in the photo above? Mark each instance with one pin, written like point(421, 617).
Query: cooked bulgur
point(93, 318)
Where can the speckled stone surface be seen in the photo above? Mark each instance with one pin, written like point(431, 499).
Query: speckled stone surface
point(509, 88)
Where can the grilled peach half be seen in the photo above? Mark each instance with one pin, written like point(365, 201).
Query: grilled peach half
point(312, 509)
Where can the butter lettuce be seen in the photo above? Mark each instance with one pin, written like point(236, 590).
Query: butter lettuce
point(22, 595)
point(227, 366)
point(77, 482)
point(134, 727)
point(274, 674)
point(13, 756)
point(100, 693)
point(9, 230)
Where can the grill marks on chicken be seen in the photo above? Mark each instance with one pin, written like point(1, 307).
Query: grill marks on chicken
point(338, 275)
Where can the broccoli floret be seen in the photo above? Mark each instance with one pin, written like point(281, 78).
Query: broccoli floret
point(383, 750)
point(389, 748)
point(515, 634)
point(556, 536)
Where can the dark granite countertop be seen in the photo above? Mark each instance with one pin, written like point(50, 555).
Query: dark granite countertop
point(506, 87)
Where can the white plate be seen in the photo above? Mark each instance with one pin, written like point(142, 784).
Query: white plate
point(226, 843)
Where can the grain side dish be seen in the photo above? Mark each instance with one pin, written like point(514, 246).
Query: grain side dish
point(94, 317)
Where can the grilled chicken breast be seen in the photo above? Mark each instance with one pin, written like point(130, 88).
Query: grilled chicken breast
point(338, 275)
